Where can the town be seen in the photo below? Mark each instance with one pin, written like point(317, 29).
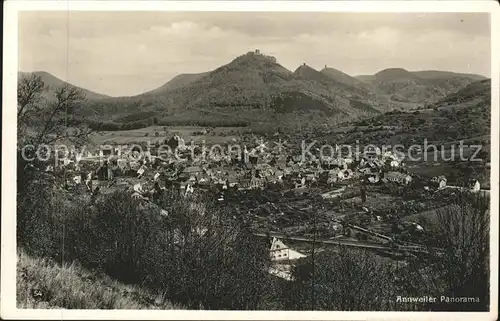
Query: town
point(367, 200)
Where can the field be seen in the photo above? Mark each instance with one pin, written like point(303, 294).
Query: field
point(467, 104)
point(374, 200)
point(218, 135)
point(427, 215)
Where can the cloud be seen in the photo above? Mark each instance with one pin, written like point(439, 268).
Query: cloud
point(177, 28)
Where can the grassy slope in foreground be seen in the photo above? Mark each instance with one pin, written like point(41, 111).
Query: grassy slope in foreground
point(73, 287)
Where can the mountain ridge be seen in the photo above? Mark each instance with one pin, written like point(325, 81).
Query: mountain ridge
point(53, 82)
point(426, 74)
point(340, 76)
point(424, 86)
point(178, 81)
point(254, 87)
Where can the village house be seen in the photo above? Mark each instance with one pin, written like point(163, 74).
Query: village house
point(265, 169)
point(331, 180)
point(397, 177)
point(365, 171)
point(203, 180)
point(374, 178)
point(300, 182)
point(348, 160)
point(90, 154)
point(192, 170)
point(370, 154)
point(280, 252)
point(336, 227)
point(272, 179)
point(376, 163)
point(394, 163)
point(244, 184)
point(256, 182)
point(439, 181)
point(474, 185)
point(231, 178)
point(345, 174)
point(107, 150)
point(310, 177)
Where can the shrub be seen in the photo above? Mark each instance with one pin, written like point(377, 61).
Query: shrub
point(347, 280)
point(224, 268)
point(462, 270)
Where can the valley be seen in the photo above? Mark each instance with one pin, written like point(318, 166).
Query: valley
point(218, 163)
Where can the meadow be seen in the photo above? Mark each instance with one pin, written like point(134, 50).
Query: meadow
point(153, 134)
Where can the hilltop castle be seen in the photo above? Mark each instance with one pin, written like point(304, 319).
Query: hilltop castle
point(257, 52)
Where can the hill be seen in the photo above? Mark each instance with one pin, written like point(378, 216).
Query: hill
point(424, 87)
point(253, 87)
point(344, 78)
point(334, 80)
point(394, 74)
point(478, 90)
point(462, 115)
point(426, 74)
point(42, 284)
point(178, 82)
point(436, 74)
point(52, 82)
point(308, 73)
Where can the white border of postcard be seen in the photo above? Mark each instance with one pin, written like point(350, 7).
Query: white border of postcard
point(8, 252)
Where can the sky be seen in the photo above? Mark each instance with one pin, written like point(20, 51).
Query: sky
point(127, 53)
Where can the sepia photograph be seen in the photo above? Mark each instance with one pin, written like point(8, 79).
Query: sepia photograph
point(279, 160)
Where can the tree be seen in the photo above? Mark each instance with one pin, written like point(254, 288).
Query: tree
point(42, 121)
point(461, 268)
point(29, 92)
point(59, 121)
point(348, 280)
point(52, 119)
point(363, 193)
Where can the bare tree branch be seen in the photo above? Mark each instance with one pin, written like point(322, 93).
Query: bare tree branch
point(67, 98)
point(29, 90)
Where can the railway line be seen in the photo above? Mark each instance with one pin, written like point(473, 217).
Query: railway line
point(358, 244)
